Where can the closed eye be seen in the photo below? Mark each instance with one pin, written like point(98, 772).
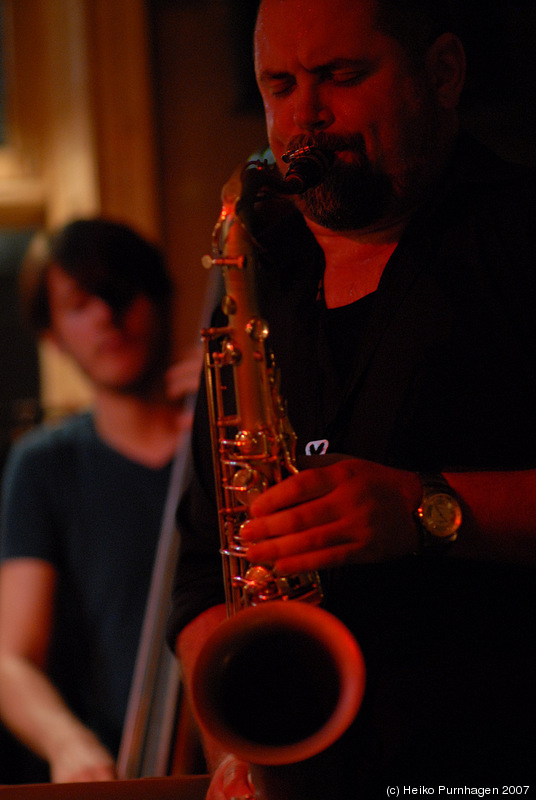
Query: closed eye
point(346, 72)
point(278, 85)
point(347, 77)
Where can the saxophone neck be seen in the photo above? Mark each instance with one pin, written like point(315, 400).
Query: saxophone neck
point(307, 168)
point(231, 237)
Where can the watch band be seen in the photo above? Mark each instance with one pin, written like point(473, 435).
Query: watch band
point(435, 480)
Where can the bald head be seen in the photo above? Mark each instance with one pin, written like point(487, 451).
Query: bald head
point(414, 23)
point(330, 76)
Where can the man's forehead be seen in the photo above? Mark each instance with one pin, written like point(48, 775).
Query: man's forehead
point(305, 12)
point(318, 31)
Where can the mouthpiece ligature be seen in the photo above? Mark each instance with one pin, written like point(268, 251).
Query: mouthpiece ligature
point(307, 168)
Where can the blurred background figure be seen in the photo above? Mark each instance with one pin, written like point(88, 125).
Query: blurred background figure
point(83, 499)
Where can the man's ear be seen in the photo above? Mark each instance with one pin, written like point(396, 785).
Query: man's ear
point(445, 61)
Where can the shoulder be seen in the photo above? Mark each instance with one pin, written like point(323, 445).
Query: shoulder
point(480, 175)
point(50, 442)
point(483, 214)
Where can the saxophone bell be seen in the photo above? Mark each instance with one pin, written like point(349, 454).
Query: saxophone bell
point(279, 684)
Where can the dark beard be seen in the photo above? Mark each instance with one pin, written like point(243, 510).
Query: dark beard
point(352, 196)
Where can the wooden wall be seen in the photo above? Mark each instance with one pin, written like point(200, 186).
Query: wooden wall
point(126, 109)
point(203, 134)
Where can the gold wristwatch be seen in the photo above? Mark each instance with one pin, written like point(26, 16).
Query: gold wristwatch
point(439, 514)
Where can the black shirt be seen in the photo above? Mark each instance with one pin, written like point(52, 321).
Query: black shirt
point(438, 373)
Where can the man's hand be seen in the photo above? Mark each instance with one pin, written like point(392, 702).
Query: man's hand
point(349, 510)
point(182, 378)
point(82, 759)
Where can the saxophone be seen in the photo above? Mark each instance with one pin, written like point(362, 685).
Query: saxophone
point(253, 443)
point(254, 687)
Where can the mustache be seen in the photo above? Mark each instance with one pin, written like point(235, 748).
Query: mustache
point(331, 141)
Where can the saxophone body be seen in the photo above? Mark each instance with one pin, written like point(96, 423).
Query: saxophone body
point(253, 443)
point(278, 682)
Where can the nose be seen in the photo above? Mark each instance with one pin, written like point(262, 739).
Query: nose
point(102, 311)
point(311, 111)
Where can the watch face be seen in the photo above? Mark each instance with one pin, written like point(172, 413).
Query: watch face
point(441, 514)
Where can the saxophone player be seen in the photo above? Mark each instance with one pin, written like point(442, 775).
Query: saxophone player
point(400, 296)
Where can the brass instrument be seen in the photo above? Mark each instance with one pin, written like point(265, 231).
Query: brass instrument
point(278, 682)
point(253, 444)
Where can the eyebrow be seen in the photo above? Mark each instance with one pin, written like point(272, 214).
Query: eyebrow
point(331, 66)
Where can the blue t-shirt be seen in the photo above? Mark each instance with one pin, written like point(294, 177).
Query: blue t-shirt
point(95, 515)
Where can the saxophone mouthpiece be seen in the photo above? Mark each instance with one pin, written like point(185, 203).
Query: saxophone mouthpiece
point(308, 167)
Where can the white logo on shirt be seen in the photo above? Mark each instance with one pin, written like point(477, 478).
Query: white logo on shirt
point(317, 447)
